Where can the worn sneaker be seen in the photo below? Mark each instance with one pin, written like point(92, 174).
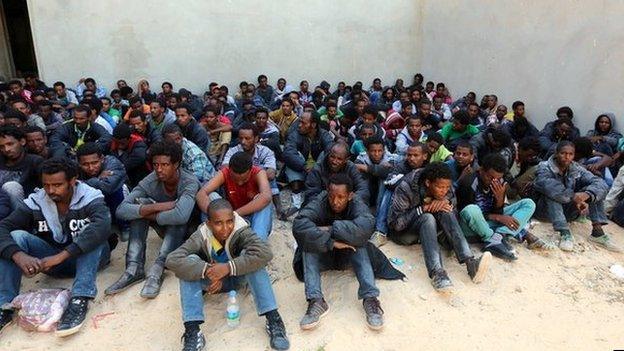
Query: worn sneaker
point(378, 239)
point(6, 318)
point(73, 317)
point(317, 309)
point(566, 243)
point(277, 333)
point(441, 282)
point(193, 340)
point(374, 313)
point(500, 250)
point(478, 267)
point(605, 241)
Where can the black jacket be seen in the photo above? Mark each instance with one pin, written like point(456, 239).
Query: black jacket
point(354, 226)
point(300, 144)
point(318, 180)
point(66, 135)
point(86, 225)
point(197, 134)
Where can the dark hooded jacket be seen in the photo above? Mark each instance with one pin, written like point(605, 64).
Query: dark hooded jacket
point(610, 138)
point(318, 180)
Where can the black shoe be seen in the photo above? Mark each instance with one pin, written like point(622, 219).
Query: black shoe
point(73, 317)
point(440, 281)
point(478, 267)
point(499, 250)
point(6, 318)
point(277, 333)
point(374, 313)
point(124, 282)
point(508, 245)
point(193, 340)
point(317, 309)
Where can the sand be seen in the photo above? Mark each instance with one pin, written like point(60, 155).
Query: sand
point(540, 302)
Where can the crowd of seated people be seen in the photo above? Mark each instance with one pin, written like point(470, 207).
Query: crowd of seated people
point(82, 169)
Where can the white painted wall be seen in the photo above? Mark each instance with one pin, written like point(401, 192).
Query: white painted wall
point(548, 53)
point(194, 42)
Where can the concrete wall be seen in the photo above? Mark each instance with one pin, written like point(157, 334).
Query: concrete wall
point(548, 53)
point(195, 42)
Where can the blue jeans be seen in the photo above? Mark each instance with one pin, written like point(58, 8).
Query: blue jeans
point(262, 221)
point(425, 230)
point(314, 263)
point(84, 267)
point(383, 206)
point(559, 214)
point(293, 175)
point(474, 223)
point(173, 236)
point(191, 294)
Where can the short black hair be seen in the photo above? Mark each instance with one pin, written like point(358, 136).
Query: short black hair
point(564, 120)
point(261, 110)
point(34, 129)
point(565, 109)
point(57, 165)
point(171, 129)
point(89, 148)
point(437, 137)
point(341, 179)
point(185, 106)
point(494, 161)
point(13, 113)
point(516, 104)
point(12, 131)
point(530, 143)
point(59, 84)
point(240, 162)
point(166, 148)
point(436, 170)
point(583, 148)
point(15, 82)
point(262, 76)
point(423, 147)
point(370, 110)
point(122, 131)
point(249, 126)
point(82, 108)
point(466, 145)
point(133, 100)
point(501, 137)
point(564, 143)
point(126, 91)
point(374, 140)
point(166, 83)
point(218, 204)
point(137, 113)
point(462, 117)
point(89, 80)
point(94, 104)
point(160, 101)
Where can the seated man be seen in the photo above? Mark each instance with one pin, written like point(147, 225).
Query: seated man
point(194, 160)
point(215, 259)
point(60, 231)
point(268, 132)
point(220, 134)
point(18, 169)
point(459, 129)
point(158, 117)
point(560, 130)
point(247, 188)
point(37, 142)
point(336, 224)
point(104, 173)
point(365, 132)
point(261, 156)
point(415, 158)
point(335, 162)
point(78, 131)
point(566, 190)
point(463, 162)
point(524, 171)
point(165, 199)
point(142, 128)
point(191, 129)
point(594, 161)
point(412, 132)
point(437, 150)
point(131, 151)
point(375, 165)
point(424, 203)
point(301, 152)
point(284, 117)
point(481, 205)
point(494, 140)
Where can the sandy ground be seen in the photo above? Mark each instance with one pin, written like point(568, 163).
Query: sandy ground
point(555, 302)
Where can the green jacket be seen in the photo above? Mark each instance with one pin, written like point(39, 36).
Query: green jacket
point(246, 251)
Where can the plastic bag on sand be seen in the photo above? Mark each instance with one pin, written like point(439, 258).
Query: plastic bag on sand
point(41, 310)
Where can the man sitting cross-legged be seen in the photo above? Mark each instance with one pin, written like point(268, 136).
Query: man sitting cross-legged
point(165, 199)
point(423, 204)
point(215, 259)
point(60, 230)
point(336, 224)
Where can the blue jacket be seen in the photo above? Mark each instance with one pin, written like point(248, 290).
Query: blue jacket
point(197, 134)
point(559, 187)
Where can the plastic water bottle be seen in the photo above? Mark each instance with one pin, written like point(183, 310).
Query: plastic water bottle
point(233, 310)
